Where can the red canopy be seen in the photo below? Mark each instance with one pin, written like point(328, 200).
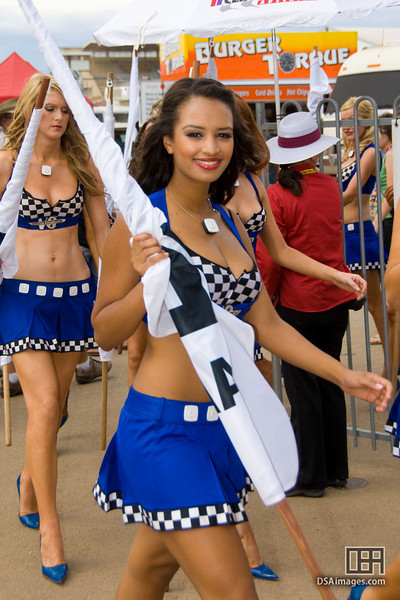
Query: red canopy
point(14, 73)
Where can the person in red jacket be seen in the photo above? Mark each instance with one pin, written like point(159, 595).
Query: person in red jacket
point(307, 208)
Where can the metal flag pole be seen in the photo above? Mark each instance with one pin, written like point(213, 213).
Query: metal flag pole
point(276, 80)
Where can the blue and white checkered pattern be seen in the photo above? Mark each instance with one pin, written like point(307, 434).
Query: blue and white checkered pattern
point(177, 519)
point(256, 222)
point(224, 288)
point(39, 210)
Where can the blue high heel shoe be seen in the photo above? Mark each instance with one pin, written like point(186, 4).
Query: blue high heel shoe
point(31, 520)
point(357, 591)
point(58, 573)
point(264, 572)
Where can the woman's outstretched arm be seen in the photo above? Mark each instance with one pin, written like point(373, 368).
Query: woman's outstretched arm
point(284, 341)
point(392, 274)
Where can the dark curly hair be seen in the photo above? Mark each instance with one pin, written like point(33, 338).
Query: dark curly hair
point(153, 166)
point(258, 159)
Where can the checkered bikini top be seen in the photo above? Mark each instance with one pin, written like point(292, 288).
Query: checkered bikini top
point(256, 223)
point(234, 294)
point(35, 213)
point(350, 170)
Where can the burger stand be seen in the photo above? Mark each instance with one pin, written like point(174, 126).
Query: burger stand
point(245, 64)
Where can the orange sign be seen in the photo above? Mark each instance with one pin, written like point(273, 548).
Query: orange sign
point(266, 93)
point(246, 60)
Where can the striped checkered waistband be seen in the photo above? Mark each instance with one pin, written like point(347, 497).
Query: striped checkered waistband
point(169, 411)
point(47, 288)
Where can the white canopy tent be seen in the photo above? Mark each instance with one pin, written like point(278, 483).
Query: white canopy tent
point(161, 21)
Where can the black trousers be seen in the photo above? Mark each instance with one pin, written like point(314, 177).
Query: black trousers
point(318, 410)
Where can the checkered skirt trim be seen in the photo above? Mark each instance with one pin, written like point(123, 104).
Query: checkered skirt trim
point(180, 518)
point(357, 266)
point(53, 317)
point(52, 345)
point(371, 245)
point(391, 427)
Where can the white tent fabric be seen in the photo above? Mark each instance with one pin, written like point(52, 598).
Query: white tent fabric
point(208, 345)
point(158, 21)
point(319, 85)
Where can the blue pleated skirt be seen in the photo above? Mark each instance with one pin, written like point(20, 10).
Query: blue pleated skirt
point(46, 316)
point(393, 425)
point(353, 250)
point(172, 466)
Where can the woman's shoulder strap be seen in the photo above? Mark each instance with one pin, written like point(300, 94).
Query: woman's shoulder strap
point(251, 180)
point(227, 217)
point(159, 200)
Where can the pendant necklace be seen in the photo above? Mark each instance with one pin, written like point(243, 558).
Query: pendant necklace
point(350, 153)
point(46, 170)
point(210, 225)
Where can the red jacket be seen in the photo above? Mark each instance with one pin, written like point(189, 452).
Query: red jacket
point(311, 223)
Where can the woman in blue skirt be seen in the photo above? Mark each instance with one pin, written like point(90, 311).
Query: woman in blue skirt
point(45, 309)
point(170, 466)
point(350, 175)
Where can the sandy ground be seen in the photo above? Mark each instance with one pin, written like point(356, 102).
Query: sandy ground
point(97, 544)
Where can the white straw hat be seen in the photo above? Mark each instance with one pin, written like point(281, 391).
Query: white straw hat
point(299, 138)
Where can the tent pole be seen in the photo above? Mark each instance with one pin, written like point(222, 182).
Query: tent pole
point(276, 80)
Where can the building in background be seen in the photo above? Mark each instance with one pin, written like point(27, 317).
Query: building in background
point(244, 63)
point(91, 65)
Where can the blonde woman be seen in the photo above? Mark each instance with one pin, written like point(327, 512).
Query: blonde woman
point(45, 309)
point(350, 176)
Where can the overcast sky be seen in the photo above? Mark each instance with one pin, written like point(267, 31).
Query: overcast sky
point(72, 23)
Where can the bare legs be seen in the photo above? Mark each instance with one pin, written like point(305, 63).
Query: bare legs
point(389, 591)
point(212, 557)
point(375, 300)
point(265, 368)
point(248, 540)
point(45, 378)
point(376, 310)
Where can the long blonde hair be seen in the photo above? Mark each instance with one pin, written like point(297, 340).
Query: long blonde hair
point(364, 111)
point(73, 144)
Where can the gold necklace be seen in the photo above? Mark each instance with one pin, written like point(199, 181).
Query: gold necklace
point(210, 225)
